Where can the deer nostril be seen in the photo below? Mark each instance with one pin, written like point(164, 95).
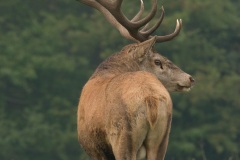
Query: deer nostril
point(191, 79)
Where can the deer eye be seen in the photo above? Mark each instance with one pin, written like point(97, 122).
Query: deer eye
point(158, 63)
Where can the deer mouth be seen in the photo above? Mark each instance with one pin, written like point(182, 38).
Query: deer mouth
point(182, 88)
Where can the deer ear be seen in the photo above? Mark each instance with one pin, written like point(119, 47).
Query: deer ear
point(144, 47)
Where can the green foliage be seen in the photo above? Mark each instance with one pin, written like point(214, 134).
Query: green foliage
point(48, 50)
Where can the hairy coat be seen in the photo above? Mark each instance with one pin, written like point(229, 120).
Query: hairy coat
point(124, 110)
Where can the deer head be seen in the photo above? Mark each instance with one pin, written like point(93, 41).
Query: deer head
point(172, 77)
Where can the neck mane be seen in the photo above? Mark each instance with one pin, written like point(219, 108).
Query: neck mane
point(116, 64)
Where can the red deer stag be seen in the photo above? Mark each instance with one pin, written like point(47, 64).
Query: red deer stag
point(125, 110)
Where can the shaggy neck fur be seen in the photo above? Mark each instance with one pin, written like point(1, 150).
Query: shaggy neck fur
point(116, 64)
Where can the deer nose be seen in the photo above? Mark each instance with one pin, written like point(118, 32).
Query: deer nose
point(192, 79)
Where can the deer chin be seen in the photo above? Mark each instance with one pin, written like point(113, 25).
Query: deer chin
point(182, 88)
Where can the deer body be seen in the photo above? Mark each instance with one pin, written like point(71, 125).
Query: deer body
point(118, 124)
point(122, 111)
point(125, 110)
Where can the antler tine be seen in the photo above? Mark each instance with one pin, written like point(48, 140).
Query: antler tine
point(144, 29)
point(111, 19)
point(139, 14)
point(147, 33)
point(172, 35)
point(115, 10)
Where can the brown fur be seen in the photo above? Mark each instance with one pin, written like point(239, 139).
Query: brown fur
point(124, 112)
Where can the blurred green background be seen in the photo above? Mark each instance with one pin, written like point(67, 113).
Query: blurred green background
point(49, 48)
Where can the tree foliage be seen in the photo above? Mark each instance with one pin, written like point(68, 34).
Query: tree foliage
point(48, 49)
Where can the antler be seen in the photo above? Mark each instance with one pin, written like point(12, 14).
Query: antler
point(135, 29)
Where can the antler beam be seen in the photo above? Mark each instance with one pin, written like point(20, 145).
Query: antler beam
point(135, 29)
